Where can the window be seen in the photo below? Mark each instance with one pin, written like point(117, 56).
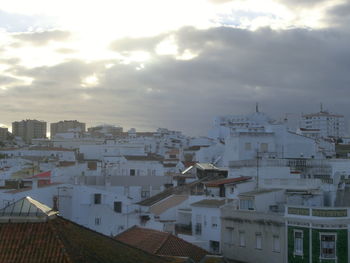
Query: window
point(247, 146)
point(241, 239)
point(132, 172)
point(172, 156)
point(198, 229)
point(328, 246)
point(214, 246)
point(258, 240)
point(246, 204)
point(97, 221)
point(214, 222)
point(198, 226)
point(298, 242)
point(228, 235)
point(276, 246)
point(97, 199)
point(118, 207)
point(92, 166)
point(264, 147)
point(145, 194)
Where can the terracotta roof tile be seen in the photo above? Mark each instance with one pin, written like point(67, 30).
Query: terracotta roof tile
point(161, 243)
point(211, 202)
point(62, 241)
point(228, 181)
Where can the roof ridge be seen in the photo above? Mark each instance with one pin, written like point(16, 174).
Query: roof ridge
point(193, 245)
point(163, 242)
point(58, 236)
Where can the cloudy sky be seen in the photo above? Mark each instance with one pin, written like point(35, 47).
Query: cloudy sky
point(174, 64)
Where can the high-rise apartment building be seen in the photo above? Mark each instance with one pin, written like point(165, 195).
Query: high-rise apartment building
point(322, 124)
point(3, 133)
point(65, 126)
point(29, 129)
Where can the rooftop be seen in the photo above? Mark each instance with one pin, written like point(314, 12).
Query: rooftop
point(323, 113)
point(237, 180)
point(210, 203)
point(59, 240)
point(161, 243)
point(259, 192)
point(167, 203)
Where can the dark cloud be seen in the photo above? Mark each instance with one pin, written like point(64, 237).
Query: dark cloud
point(42, 38)
point(339, 16)
point(136, 44)
point(285, 71)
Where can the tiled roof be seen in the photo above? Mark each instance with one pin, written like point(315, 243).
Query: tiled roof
point(158, 197)
point(58, 240)
point(161, 243)
point(167, 203)
point(43, 175)
point(210, 203)
point(184, 189)
point(228, 181)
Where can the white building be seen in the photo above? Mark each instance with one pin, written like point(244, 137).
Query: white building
point(111, 148)
point(322, 124)
point(206, 223)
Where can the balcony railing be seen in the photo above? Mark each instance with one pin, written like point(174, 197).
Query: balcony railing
point(293, 163)
point(325, 212)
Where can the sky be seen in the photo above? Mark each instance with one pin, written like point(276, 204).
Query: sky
point(172, 64)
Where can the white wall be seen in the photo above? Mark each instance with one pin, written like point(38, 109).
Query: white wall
point(208, 231)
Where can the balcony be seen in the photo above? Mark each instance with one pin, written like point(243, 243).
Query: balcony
point(317, 212)
point(185, 229)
